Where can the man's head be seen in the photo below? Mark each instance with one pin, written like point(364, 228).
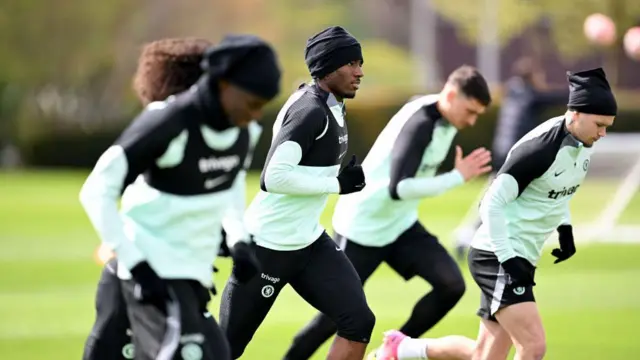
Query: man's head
point(592, 106)
point(246, 72)
point(465, 96)
point(334, 58)
point(167, 67)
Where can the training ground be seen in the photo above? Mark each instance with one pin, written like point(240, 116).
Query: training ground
point(590, 304)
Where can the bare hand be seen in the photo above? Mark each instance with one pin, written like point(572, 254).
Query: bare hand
point(475, 164)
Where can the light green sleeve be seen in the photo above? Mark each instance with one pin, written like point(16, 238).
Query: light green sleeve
point(503, 190)
point(416, 188)
point(567, 216)
point(99, 196)
point(283, 175)
point(233, 220)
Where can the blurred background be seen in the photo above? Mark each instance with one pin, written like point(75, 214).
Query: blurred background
point(65, 94)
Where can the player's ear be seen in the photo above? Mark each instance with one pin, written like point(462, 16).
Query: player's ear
point(452, 93)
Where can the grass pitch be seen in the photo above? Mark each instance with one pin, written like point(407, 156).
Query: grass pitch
point(590, 304)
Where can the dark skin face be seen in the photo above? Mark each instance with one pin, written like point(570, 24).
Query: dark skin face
point(241, 106)
point(344, 82)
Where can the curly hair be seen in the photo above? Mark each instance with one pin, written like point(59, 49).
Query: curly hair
point(167, 67)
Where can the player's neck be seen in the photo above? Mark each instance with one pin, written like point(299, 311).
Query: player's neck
point(441, 106)
point(322, 85)
point(570, 126)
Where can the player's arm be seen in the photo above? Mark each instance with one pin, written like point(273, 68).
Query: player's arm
point(406, 156)
point(132, 153)
point(283, 174)
point(527, 162)
point(233, 222)
point(565, 237)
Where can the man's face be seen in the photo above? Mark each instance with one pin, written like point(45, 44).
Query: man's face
point(240, 106)
point(345, 81)
point(589, 128)
point(463, 110)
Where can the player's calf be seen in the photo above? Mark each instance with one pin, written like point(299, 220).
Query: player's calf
point(397, 346)
point(492, 343)
point(522, 322)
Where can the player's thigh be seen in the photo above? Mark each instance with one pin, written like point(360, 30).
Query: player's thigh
point(156, 331)
point(196, 340)
point(245, 305)
point(330, 283)
point(419, 253)
point(216, 338)
point(523, 323)
point(365, 259)
point(110, 335)
point(493, 342)
point(497, 291)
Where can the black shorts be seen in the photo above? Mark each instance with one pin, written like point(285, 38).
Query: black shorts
point(320, 273)
point(416, 252)
point(497, 289)
point(179, 332)
point(110, 337)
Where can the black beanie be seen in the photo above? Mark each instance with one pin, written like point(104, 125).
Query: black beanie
point(590, 93)
point(246, 61)
point(329, 50)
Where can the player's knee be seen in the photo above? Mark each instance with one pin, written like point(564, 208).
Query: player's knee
point(534, 349)
point(452, 289)
point(237, 350)
point(357, 325)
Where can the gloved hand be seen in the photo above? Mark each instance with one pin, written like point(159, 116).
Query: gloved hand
point(149, 289)
point(245, 262)
point(224, 248)
point(567, 245)
point(213, 289)
point(520, 271)
point(351, 178)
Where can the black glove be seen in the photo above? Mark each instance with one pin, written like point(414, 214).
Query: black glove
point(520, 271)
point(351, 178)
point(213, 289)
point(567, 245)
point(245, 262)
point(149, 289)
point(224, 248)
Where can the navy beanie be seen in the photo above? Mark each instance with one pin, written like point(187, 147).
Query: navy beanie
point(590, 93)
point(329, 50)
point(246, 61)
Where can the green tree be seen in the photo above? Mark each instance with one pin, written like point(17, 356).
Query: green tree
point(61, 42)
point(514, 16)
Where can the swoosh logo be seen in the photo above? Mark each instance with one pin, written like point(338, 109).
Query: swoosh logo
point(212, 183)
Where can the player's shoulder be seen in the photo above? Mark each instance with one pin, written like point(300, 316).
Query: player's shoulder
point(305, 105)
point(420, 112)
point(545, 139)
point(171, 114)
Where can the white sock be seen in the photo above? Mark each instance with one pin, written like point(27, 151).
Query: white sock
point(413, 349)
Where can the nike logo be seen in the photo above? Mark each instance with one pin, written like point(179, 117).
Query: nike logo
point(212, 183)
point(559, 173)
point(338, 248)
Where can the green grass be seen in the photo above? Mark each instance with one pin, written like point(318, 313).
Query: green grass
point(590, 304)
